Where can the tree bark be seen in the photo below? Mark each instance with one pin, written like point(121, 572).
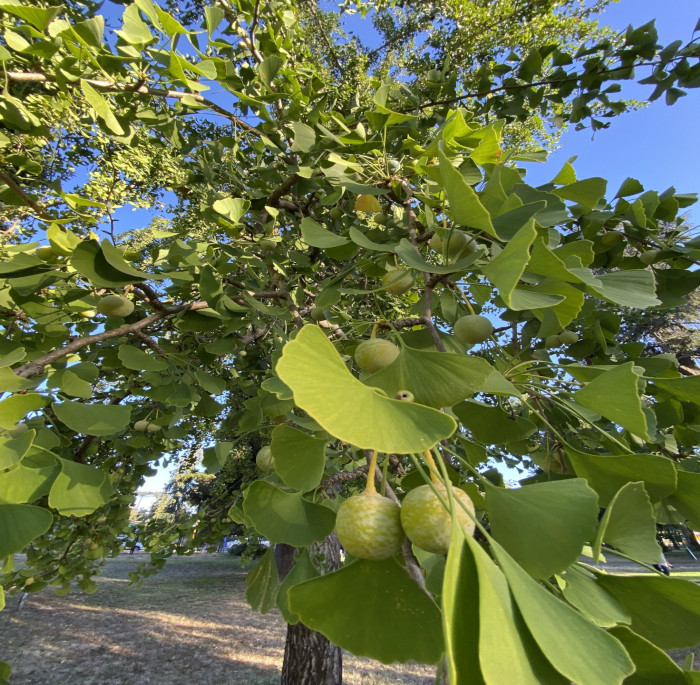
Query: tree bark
point(309, 657)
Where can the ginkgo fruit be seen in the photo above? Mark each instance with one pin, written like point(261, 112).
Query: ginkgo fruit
point(455, 243)
point(264, 459)
point(367, 203)
point(397, 281)
point(473, 329)
point(376, 353)
point(426, 521)
point(369, 526)
point(568, 337)
point(115, 305)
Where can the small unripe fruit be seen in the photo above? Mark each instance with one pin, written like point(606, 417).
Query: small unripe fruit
point(265, 460)
point(397, 281)
point(568, 337)
point(88, 313)
point(374, 354)
point(458, 244)
point(367, 203)
point(152, 427)
point(115, 305)
point(393, 165)
point(381, 218)
point(552, 341)
point(649, 257)
point(473, 329)
point(141, 425)
point(335, 213)
point(317, 314)
point(369, 526)
point(427, 523)
point(45, 253)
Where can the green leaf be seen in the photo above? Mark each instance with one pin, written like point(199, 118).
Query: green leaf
point(653, 665)
point(304, 137)
point(566, 638)
point(315, 235)
point(685, 389)
point(28, 481)
point(506, 269)
point(606, 474)
point(299, 458)
point(212, 384)
point(348, 409)
point(13, 449)
point(436, 379)
point(465, 205)
point(20, 524)
point(71, 384)
point(139, 360)
point(213, 458)
point(491, 425)
point(665, 611)
point(686, 498)
point(269, 69)
point(262, 582)
point(615, 395)
point(392, 618)
point(286, 516)
point(89, 260)
point(39, 18)
point(302, 570)
point(16, 407)
point(632, 288)
point(630, 186)
point(102, 108)
point(409, 256)
point(587, 192)
point(11, 382)
point(583, 592)
point(363, 241)
point(472, 637)
point(629, 525)
point(79, 489)
point(134, 30)
point(232, 207)
point(93, 419)
point(543, 526)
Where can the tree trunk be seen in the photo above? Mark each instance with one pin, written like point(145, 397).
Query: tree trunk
point(310, 658)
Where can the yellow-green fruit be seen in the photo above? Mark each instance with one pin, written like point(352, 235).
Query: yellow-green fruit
point(649, 257)
point(265, 460)
point(45, 253)
point(427, 523)
point(397, 281)
point(552, 341)
point(142, 425)
point(374, 354)
point(152, 427)
point(458, 244)
point(88, 313)
point(473, 329)
point(367, 203)
point(381, 218)
point(335, 212)
point(369, 526)
point(115, 305)
point(317, 314)
point(568, 337)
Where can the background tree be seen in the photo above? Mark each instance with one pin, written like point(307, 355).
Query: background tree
point(302, 223)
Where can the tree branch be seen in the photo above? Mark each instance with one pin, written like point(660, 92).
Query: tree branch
point(108, 87)
point(36, 367)
point(12, 184)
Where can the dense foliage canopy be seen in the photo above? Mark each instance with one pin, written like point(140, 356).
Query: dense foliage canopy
point(311, 193)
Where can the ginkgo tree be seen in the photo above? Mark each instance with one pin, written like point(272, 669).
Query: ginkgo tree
point(369, 289)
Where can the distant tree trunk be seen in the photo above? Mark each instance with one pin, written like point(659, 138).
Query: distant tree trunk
point(309, 658)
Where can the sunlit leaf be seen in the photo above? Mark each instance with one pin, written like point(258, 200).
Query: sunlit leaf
point(20, 524)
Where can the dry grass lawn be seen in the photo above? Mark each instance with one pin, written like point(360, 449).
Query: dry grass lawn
point(189, 624)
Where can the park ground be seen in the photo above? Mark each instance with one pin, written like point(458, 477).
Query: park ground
point(188, 624)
